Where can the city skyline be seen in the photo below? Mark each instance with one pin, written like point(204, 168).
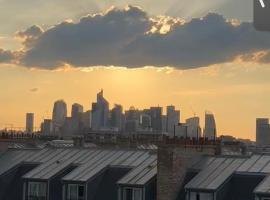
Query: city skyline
point(70, 110)
point(231, 79)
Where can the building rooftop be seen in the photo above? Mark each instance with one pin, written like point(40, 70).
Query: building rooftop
point(88, 163)
point(217, 170)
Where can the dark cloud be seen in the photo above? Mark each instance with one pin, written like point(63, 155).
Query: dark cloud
point(8, 56)
point(30, 35)
point(34, 90)
point(123, 38)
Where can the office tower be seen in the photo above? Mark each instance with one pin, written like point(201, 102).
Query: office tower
point(210, 130)
point(86, 120)
point(164, 123)
point(71, 127)
point(76, 111)
point(145, 121)
point(179, 132)
point(156, 118)
point(47, 127)
point(59, 115)
point(117, 117)
point(100, 113)
point(262, 132)
point(193, 127)
point(132, 117)
point(29, 125)
point(173, 118)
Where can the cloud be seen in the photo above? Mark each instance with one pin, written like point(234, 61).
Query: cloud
point(124, 38)
point(30, 35)
point(34, 90)
point(8, 56)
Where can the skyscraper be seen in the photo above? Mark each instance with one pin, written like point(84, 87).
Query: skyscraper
point(132, 118)
point(76, 111)
point(117, 117)
point(100, 113)
point(156, 118)
point(262, 132)
point(173, 118)
point(86, 120)
point(210, 130)
point(29, 125)
point(59, 115)
point(47, 127)
point(193, 127)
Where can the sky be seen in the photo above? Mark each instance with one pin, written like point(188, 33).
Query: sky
point(197, 55)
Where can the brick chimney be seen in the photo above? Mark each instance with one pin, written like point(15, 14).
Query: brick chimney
point(173, 162)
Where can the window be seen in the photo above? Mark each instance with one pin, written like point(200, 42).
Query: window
point(37, 191)
point(133, 194)
point(75, 192)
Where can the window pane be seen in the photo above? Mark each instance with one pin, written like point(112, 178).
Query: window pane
point(72, 192)
point(81, 191)
point(137, 194)
point(128, 193)
point(42, 190)
point(37, 190)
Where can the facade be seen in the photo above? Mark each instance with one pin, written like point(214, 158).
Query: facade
point(71, 127)
point(59, 116)
point(210, 130)
point(173, 118)
point(117, 117)
point(47, 127)
point(132, 119)
point(86, 120)
point(76, 111)
point(156, 118)
point(145, 121)
point(181, 131)
point(262, 132)
point(29, 126)
point(100, 113)
point(77, 174)
point(193, 127)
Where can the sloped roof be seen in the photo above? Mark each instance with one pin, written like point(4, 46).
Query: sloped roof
point(89, 162)
point(216, 170)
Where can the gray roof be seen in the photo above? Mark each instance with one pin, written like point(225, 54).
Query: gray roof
point(263, 187)
point(89, 162)
point(216, 170)
point(141, 174)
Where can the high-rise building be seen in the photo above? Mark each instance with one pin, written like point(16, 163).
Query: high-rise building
point(145, 121)
point(29, 125)
point(132, 118)
point(262, 132)
point(76, 111)
point(71, 127)
point(47, 127)
point(86, 120)
point(156, 118)
point(117, 117)
point(210, 130)
point(173, 118)
point(179, 132)
point(193, 127)
point(59, 115)
point(100, 113)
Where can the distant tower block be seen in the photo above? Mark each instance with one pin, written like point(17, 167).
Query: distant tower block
point(29, 127)
point(262, 132)
point(210, 130)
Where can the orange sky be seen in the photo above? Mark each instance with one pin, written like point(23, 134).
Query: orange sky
point(236, 93)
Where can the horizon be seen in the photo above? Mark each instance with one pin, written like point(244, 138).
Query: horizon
point(196, 57)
